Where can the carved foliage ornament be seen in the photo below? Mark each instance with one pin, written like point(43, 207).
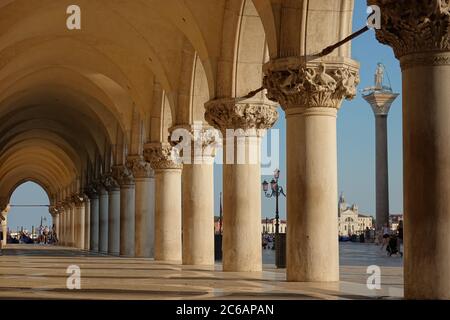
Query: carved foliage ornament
point(109, 182)
point(91, 191)
point(140, 168)
point(162, 156)
point(228, 114)
point(414, 26)
point(123, 175)
point(311, 86)
point(78, 199)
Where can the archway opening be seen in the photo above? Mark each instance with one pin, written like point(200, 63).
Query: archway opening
point(29, 210)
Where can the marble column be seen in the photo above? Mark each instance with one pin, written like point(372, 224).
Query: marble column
point(4, 224)
point(73, 217)
point(76, 221)
point(114, 215)
point(62, 232)
point(103, 218)
point(94, 219)
point(79, 220)
point(311, 96)
point(54, 212)
point(418, 31)
point(198, 193)
point(125, 179)
point(144, 207)
point(242, 126)
point(60, 226)
point(381, 102)
point(66, 225)
point(69, 222)
point(167, 201)
point(87, 223)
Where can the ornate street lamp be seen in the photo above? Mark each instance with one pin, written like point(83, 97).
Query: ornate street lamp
point(275, 191)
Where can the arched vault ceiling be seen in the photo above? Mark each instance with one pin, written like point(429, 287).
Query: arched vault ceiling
point(68, 87)
point(69, 98)
point(136, 36)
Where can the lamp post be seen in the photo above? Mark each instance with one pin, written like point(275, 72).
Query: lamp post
point(275, 191)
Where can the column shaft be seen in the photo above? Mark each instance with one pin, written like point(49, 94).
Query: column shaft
point(168, 215)
point(76, 226)
point(56, 220)
point(198, 214)
point(242, 208)
point(426, 136)
point(94, 230)
point(87, 224)
point(145, 217)
point(62, 233)
point(61, 228)
point(4, 230)
point(127, 220)
point(114, 222)
point(312, 246)
point(72, 225)
point(382, 177)
point(103, 221)
point(80, 212)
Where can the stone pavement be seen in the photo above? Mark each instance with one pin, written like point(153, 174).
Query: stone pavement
point(39, 272)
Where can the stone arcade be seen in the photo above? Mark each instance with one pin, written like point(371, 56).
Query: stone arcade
point(87, 114)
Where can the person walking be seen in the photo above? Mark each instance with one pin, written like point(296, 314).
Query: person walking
point(386, 235)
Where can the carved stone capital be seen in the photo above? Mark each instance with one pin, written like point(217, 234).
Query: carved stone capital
point(162, 156)
point(68, 202)
point(140, 168)
point(381, 102)
point(123, 175)
point(226, 114)
point(414, 26)
point(91, 191)
point(53, 210)
point(78, 200)
point(110, 183)
point(4, 205)
point(318, 84)
point(60, 207)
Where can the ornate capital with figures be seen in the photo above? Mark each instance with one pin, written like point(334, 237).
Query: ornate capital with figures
point(162, 156)
point(91, 191)
point(60, 207)
point(318, 84)
point(78, 199)
point(140, 168)
point(53, 210)
point(414, 26)
point(228, 113)
point(109, 182)
point(4, 205)
point(123, 175)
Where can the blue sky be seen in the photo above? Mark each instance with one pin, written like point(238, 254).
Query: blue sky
point(355, 134)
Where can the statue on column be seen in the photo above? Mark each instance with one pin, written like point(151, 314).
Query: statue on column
point(379, 75)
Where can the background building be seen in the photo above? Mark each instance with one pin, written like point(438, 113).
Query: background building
point(350, 220)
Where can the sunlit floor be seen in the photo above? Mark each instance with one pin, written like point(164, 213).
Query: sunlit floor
point(39, 272)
